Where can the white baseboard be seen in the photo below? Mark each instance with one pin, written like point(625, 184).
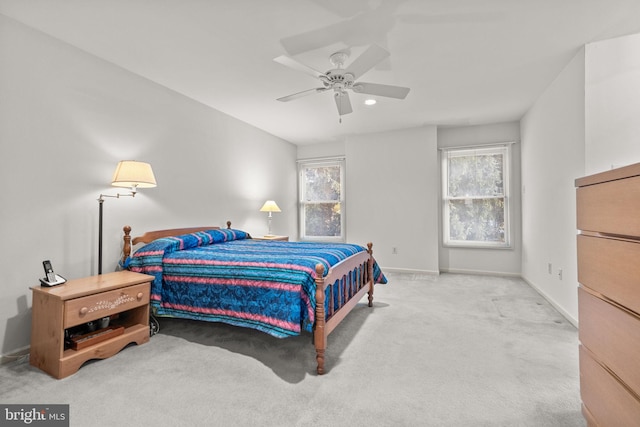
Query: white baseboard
point(409, 271)
point(479, 272)
point(550, 300)
point(16, 355)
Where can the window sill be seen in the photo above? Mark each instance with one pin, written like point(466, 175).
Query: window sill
point(476, 246)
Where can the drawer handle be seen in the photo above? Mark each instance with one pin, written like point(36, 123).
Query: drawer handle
point(83, 311)
point(140, 295)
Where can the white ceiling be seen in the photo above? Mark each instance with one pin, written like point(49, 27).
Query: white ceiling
point(466, 61)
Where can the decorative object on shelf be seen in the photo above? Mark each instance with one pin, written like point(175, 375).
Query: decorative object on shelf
point(131, 174)
point(272, 237)
point(270, 206)
point(95, 337)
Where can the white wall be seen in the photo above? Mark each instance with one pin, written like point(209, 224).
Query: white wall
point(486, 261)
point(612, 93)
point(392, 186)
point(314, 151)
point(552, 158)
point(585, 123)
point(392, 197)
point(66, 119)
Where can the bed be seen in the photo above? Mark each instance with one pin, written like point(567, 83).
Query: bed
point(281, 288)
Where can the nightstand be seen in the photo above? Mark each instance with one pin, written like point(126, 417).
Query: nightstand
point(281, 238)
point(121, 297)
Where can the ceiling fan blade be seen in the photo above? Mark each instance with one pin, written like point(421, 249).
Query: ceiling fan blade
point(343, 103)
point(301, 94)
point(298, 66)
point(315, 39)
point(389, 91)
point(369, 59)
point(344, 9)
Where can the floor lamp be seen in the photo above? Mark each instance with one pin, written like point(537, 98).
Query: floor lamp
point(131, 174)
point(270, 206)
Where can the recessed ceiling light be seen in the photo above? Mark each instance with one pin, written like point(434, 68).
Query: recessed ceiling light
point(370, 102)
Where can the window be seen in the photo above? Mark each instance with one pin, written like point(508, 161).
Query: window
point(476, 196)
point(321, 187)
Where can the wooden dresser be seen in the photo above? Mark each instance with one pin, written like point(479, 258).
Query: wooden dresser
point(608, 217)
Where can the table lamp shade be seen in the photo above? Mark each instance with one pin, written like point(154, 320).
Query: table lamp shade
point(270, 206)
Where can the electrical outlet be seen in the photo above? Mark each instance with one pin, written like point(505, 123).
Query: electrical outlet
point(394, 250)
point(550, 268)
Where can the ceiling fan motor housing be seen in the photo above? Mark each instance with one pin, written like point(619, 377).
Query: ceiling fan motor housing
point(337, 79)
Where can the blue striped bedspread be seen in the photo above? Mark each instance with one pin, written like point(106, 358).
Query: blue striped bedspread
point(224, 276)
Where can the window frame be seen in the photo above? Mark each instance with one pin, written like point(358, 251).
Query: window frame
point(322, 162)
point(449, 152)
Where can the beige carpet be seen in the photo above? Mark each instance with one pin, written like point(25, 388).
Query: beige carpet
point(449, 350)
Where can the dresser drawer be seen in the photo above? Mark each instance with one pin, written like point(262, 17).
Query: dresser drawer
point(92, 307)
point(607, 401)
point(611, 267)
point(610, 207)
point(612, 335)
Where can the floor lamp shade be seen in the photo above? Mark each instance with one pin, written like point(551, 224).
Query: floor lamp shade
point(131, 174)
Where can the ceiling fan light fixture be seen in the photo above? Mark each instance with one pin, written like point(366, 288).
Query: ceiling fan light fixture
point(338, 59)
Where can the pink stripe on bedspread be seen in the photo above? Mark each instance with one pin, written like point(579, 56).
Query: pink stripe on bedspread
point(307, 303)
point(235, 314)
point(149, 253)
point(237, 282)
point(148, 269)
point(176, 239)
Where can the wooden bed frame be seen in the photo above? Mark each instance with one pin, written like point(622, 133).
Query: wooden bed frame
point(353, 288)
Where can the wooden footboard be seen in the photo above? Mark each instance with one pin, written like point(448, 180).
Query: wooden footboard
point(356, 278)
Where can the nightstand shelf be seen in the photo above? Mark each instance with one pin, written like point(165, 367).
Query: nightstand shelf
point(121, 296)
point(280, 238)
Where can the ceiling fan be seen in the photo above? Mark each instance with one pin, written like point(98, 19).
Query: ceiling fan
point(340, 79)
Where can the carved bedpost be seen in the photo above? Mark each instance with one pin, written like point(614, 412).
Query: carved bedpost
point(126, 249)
point(228, 224)
point(370, 268)
point(319, 337)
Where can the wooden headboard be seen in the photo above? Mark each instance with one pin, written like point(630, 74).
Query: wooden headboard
point(150, 236)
